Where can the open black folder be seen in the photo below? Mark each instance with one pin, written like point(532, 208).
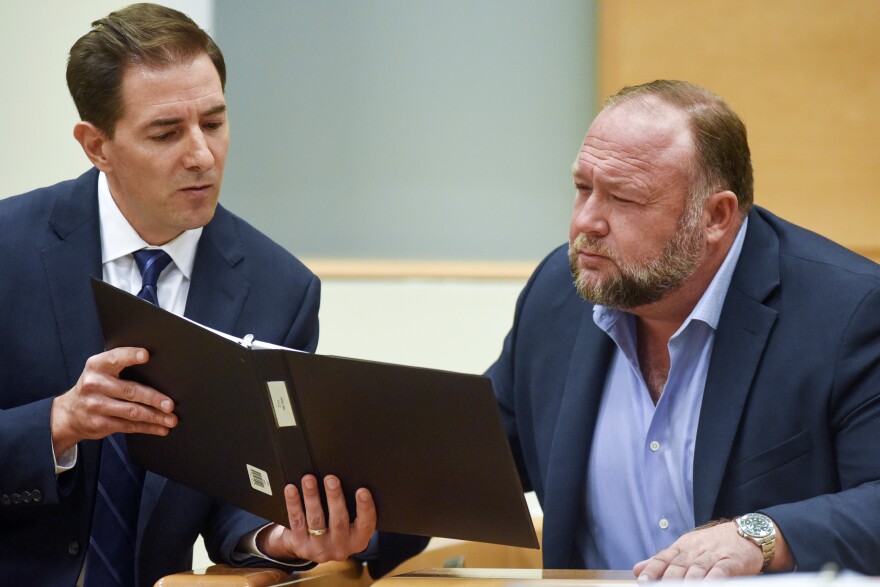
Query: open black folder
point(428, 444)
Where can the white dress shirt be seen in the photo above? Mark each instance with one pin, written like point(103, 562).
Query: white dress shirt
point(119, 240)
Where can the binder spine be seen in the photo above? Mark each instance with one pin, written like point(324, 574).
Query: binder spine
point(290, 435)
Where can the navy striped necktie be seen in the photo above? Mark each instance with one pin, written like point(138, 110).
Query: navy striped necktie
point(151, 262)
point(111, 555)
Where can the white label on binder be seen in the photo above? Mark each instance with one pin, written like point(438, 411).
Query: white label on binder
point(259, 479)
point(281, 404)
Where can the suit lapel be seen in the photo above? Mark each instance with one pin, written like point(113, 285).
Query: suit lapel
point(566, 472)
point(743, 330)
point(72, 254)
point(218, 292)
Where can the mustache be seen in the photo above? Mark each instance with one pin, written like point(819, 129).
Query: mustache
point(592, 244)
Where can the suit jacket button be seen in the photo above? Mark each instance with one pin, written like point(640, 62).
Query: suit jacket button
point(73, 548)
point(37, 495)
point(4, 499)
point(16, 498)
point(26, 496)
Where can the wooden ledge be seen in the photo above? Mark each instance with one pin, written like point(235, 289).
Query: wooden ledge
point(419, 269)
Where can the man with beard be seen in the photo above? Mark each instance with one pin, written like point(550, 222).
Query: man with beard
point(714, 367)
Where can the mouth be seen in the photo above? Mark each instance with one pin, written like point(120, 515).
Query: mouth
point(197, 190)
point(590, 255)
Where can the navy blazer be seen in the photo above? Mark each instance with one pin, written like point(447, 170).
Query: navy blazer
point(790, 420)
point(50, 244)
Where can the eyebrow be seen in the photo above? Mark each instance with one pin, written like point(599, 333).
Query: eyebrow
point(614, 183)
point(159, 122)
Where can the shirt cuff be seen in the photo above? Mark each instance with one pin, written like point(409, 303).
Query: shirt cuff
point(67, 461)
point(248, 543)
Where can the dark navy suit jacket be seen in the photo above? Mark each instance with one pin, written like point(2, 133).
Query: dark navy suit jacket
point(790, 420)
point(242, 283)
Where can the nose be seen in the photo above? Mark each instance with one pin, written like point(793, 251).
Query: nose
point(198, 156)
point(589, 216)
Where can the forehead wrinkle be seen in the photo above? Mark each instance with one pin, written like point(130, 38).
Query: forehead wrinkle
point(619, 168)
point(619, 171)
point(636, 156)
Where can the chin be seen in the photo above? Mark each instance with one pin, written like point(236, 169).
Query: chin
point(203, 214)
point(194, 221)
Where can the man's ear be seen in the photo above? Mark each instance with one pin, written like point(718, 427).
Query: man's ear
point(94, 143)
point(721, 215)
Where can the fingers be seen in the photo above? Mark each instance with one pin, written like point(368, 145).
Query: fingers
point(333, 536)
point(101, 403)
point(639, 569)
point(672, 563)
point(713, 552)
point(365, 522)
point(101, 376)
point(336, 507)
point(312, 500)
point(658, 566)
point(361, 529)
point(295, 514)
point(115, 360)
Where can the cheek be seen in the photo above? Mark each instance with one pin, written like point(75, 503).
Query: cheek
point(219, 148)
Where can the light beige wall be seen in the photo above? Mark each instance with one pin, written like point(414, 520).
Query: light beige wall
point(801, 73)
point(37, 147)
point(452, 324)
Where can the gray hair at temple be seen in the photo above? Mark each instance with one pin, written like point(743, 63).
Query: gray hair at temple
point(722, 159)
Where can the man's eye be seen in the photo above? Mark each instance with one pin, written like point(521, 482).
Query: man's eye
point(213, 125)
point(163, 137)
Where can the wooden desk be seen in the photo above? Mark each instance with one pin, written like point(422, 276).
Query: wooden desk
point(506, 578)
point(332, 574)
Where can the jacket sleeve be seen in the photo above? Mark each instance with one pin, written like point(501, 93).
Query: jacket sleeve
point(303, 333)
point(28, 478)
point(843, 527)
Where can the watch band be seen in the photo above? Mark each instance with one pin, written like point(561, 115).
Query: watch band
point(761, 530)
point(768, 547)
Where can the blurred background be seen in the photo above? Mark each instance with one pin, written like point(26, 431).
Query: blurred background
point(416, 154)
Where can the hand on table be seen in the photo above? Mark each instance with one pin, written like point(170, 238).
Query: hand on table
point(711, 553)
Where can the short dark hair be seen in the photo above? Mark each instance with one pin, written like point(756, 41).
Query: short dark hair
point(723, 160)
point(141, 34)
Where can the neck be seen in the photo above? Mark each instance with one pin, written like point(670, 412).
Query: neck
point(657, 322)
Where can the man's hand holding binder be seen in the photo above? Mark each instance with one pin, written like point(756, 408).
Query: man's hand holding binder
point(312, 535)
point(101, 404)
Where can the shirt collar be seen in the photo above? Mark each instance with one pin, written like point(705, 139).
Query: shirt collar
point(708, 308)
point(119, 239)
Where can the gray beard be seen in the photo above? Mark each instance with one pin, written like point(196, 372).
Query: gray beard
point(645, 282)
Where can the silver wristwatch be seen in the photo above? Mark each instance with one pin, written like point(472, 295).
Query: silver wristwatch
point(761, 530)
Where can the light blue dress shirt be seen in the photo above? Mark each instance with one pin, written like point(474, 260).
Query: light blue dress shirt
point(639, 496)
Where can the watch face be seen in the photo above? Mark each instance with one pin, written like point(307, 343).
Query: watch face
point(756, 525)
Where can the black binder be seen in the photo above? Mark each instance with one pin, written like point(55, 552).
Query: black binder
point(428, 444)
